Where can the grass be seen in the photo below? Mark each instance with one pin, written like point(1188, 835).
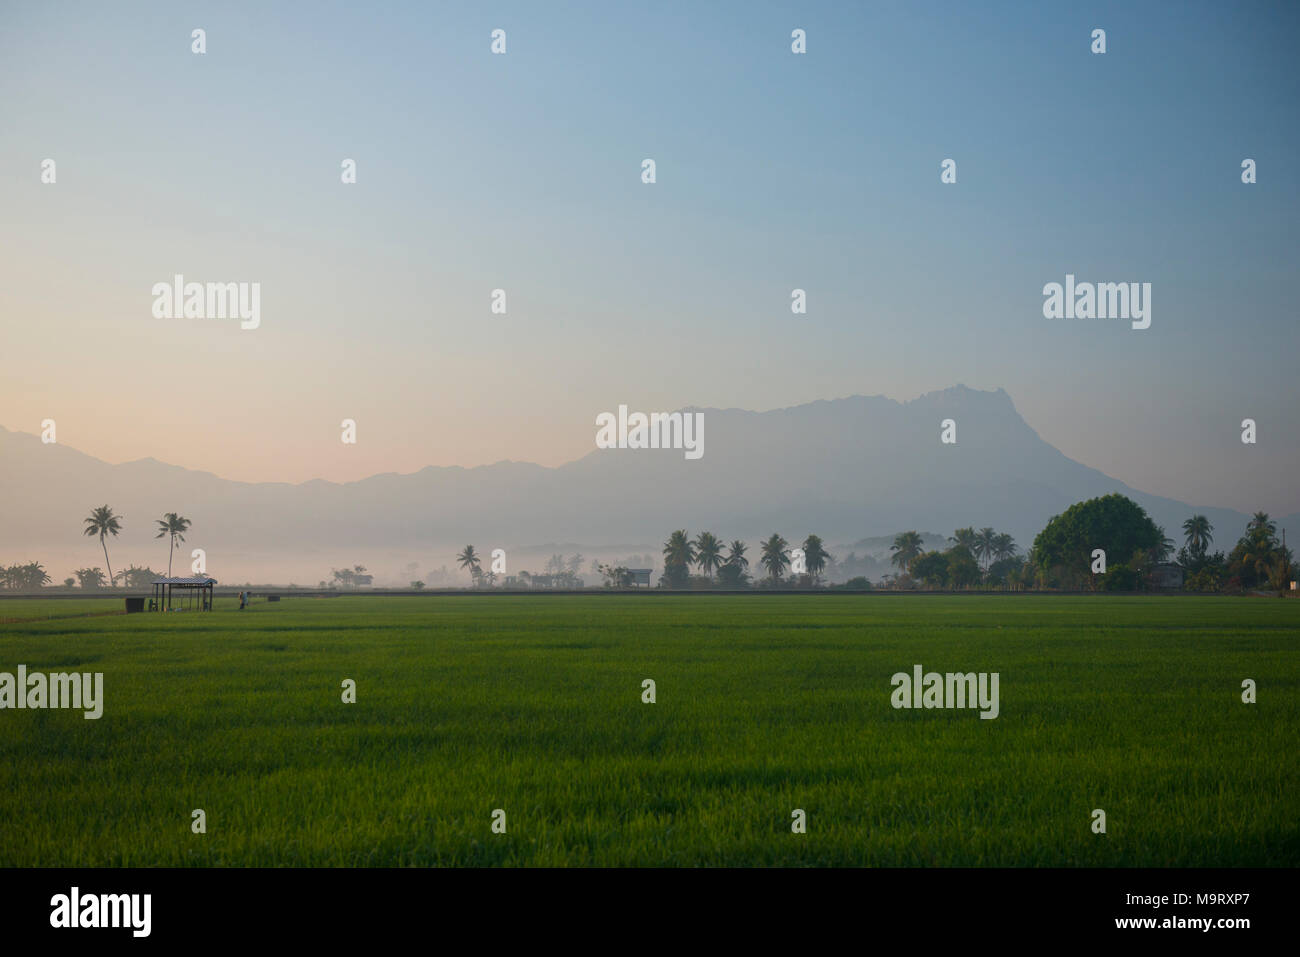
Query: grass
point(37, 609)
point(765, 704)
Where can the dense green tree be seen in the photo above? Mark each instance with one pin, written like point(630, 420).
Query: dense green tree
point(963, 569)
point(137, 578)
point(1116, 524)
point(930, 568)
point(1007, 571)
point(26, 577)
point(90, 577)
point(732, 575)
point(1120, 577)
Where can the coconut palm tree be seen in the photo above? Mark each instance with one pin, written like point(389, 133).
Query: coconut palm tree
point(775, 558)
point(679, 556)
point(1004, 546)
point(679, 550)
point(736, 556)
point(1199, 533)
point(174, 527)
point(815, 556)
point(1163, 548)
point(907, 545)
point(965, 537)
point(708, 553)
point(1260, 526)
point(984, 544)
point(103, 522)
point(469, 559)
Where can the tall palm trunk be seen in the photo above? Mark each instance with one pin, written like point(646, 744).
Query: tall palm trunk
point(171, 548)
point(106, 561)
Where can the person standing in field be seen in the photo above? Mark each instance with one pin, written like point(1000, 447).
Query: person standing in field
point(243, 600)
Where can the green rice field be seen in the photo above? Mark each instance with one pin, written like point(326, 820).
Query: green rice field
point(764, 704)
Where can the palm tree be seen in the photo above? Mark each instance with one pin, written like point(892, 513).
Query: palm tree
point(965, 537)
point(907, 545)
point(173, 526)
point(775, 558)
point(1163, 547)
point(736, 557)
point(708, 553)
point(984, 544)
point(103, 522)
point(469, 559)
point(1261, 526)
point(815, 556)
point(1004, 546)
point(1199, 534)
point(679, 550)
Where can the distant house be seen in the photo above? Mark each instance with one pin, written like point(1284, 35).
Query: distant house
point(639, 576)
point(1167, 575)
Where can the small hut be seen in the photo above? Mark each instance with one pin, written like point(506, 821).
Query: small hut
point(195, 594)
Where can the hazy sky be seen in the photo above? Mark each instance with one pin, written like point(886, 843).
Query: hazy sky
point(522, 171)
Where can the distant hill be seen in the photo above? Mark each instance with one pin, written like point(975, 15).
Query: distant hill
point(857, 469)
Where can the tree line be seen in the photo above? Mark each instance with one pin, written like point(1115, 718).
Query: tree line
point(101, 523)
point(1063, 556)
point(1103, 544)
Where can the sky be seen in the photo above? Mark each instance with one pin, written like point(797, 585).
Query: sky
point(522, 172)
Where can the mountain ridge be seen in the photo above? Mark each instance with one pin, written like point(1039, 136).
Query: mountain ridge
point(847, 468)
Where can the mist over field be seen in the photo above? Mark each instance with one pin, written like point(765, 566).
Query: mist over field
point(844, 469)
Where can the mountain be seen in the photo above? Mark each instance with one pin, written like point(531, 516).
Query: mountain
point(846, 469)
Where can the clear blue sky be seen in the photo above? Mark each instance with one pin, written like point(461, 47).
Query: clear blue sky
point(775, 171)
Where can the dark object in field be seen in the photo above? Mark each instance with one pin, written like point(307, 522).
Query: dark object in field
point(134, 605)
point(272, 597)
